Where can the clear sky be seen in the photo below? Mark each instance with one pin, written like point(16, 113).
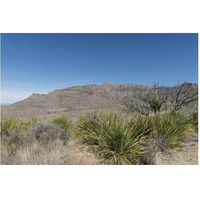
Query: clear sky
point(40, 63)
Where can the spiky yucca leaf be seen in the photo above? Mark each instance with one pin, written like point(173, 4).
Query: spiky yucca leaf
point(143, 125)
point(170, 129)
point(110, 138)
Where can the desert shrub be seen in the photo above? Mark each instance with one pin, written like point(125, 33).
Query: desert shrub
point(62, 121)
point(7, 125)
point(170, 129)
point(25, 125)
point(13, 135)
point(44, 132)
point(110, 138)
point(155, 105)
point(41, 144)
point(15, 140)
point(18, 125)
point(194, 121)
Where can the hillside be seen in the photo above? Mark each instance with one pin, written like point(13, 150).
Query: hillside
point(74, 100)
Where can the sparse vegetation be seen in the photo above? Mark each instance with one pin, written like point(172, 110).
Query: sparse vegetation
point(32, 142)
point(44, 133)
point(155, 125)
point(113, 139)
point(183, 95)
point(147, 100)
point(155, 99)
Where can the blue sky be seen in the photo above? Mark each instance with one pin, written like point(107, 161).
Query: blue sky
point(40, 63)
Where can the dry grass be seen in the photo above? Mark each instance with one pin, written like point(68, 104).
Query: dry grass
point(42, 144)
point(78, 156)
point(54, 153)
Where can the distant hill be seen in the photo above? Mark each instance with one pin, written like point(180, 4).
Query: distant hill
point(73, 100)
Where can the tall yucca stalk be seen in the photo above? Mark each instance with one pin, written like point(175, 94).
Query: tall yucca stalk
point(110, 137)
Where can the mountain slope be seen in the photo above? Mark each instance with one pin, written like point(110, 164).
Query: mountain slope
point(73, 100)
point(106, 96)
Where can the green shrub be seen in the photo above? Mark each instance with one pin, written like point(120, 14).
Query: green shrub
point(7, 125)
point(25, 125)
point(110, 137)
point(155, 105)
point(170, 129)
point(62, 121)
point(18, 125)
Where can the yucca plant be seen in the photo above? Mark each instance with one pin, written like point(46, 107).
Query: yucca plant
point(7, 125)
point(155, 105)
point(170, 129)
point(62, 121)
point(24, 125)
point(13, 124)
point(143, 125)
point(110, 137)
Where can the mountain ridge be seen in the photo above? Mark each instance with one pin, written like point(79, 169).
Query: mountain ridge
point(107, 96)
